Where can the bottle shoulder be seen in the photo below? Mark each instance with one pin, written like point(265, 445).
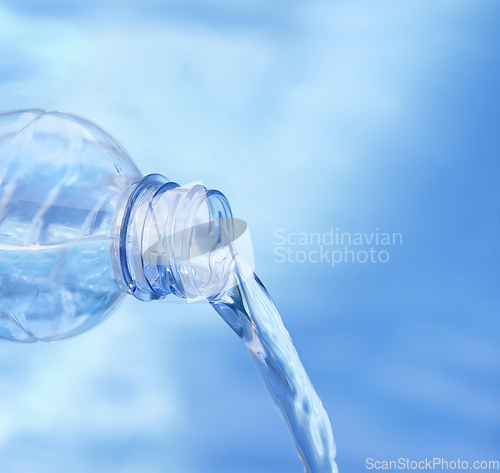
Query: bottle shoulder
point(61, 177)
point(60, 140)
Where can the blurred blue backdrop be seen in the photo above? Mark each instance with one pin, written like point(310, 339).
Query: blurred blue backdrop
point(356, 115)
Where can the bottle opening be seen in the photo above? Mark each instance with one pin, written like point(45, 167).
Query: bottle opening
point(171, 239)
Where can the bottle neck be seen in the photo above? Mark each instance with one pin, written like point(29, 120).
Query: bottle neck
point(169, 239)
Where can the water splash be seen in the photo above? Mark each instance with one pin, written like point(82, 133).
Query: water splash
point(249, 310)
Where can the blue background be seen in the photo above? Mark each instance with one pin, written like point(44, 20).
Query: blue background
point(311, 115)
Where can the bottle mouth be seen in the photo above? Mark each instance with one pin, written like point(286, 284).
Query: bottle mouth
point(171, 239)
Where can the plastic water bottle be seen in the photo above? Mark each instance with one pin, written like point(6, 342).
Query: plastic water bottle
point(80, 228)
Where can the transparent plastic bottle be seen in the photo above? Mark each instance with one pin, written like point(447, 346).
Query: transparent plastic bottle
point(80, 228)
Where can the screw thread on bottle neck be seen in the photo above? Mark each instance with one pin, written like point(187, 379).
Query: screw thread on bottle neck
point(169, 239)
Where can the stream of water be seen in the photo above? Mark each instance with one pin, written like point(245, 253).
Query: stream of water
point(249, 310)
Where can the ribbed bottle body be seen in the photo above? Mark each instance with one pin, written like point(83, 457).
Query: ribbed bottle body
point(61, 179)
